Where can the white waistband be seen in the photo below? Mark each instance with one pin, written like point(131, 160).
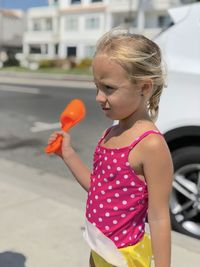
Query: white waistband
point(103, 246)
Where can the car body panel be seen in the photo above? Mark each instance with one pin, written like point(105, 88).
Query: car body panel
point(180, 45)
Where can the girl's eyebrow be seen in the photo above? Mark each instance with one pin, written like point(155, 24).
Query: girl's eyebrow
point(105, 83)
point(109, 84)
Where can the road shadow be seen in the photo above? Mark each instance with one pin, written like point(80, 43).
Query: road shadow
point(12, 259)
point(13, 142)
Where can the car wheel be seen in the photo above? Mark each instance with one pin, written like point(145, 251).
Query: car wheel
point(185, 197)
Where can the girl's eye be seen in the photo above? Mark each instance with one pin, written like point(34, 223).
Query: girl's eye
point(107, 87)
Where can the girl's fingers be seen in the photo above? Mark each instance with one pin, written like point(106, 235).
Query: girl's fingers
point(55, 135)
point(51, 140)
point(58, 133)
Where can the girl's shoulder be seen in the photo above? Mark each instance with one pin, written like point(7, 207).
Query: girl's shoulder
point(130, 137)
point(144, 130)
point(149, 134)
point(151, 141)
point(148, 142)
point(144, 126)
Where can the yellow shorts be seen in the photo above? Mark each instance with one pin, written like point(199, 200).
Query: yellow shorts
point(138, 255)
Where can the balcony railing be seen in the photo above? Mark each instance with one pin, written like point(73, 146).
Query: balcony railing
point(127, 5)
point(122, 5)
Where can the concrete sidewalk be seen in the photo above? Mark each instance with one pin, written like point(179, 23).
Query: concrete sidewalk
point(42, 217)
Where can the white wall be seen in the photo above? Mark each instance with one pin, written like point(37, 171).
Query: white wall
point(82, 36)
point(43, 35)
point(12, 29)
point(41, 12)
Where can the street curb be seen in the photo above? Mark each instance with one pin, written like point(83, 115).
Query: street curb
point(52, 81)
point(49, 76)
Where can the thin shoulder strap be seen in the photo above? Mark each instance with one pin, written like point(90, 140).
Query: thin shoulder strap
point(104, 134)
point(142, 136)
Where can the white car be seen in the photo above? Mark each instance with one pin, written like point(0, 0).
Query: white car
point(179, 115)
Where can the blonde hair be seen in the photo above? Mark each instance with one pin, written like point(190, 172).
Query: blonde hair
point(140, 57)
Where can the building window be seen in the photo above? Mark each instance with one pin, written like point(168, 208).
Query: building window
point(53, 2)
point(48, 24)
point(92, 23)
point(71, 24)
point(37, 25)
point(56, 48)
point(164, 21)
point(35, 49)
point(71, 51)
point(75, 2)
point(89, 51)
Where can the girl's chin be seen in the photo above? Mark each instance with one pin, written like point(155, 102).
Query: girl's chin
point(111, 117)
point(109, 114)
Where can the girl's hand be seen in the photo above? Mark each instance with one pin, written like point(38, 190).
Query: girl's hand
point(66, 147)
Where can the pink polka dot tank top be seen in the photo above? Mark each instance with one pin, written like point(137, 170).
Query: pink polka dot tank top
point(117, 199)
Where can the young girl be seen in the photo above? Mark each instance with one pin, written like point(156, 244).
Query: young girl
point(132, 170)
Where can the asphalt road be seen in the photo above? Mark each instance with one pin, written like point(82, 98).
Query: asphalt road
point(26, 110)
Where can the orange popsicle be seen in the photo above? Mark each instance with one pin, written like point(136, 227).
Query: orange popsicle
point(72, 114)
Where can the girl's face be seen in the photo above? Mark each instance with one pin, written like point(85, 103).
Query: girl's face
point(118, 97)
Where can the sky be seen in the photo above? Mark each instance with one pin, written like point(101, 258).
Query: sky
point(22, 4)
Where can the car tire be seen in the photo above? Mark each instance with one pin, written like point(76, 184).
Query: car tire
point(185, 197)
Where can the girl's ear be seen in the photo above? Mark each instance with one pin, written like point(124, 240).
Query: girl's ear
point(147, 88)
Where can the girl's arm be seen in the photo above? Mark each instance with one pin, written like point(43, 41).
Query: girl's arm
point(79, 170)
point(158, 170)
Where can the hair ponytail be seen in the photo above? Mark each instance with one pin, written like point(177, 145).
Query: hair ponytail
point(153, 103)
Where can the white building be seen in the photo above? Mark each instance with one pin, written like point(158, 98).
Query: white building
point(11, 32)
point(71, 27)
point(81, 24)
point(42, 35)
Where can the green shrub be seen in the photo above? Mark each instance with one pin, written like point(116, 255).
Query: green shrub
point(72, 62)
point(68, 63)
point(85, 63)
point(11, 62)
point(61, 63)
point(46, 63)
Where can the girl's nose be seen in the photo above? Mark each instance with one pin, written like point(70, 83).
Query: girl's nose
point(100, 97)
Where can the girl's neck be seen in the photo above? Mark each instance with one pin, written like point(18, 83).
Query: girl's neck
point(132, 121)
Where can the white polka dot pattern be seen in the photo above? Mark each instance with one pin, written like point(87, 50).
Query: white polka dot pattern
point(117, 200)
